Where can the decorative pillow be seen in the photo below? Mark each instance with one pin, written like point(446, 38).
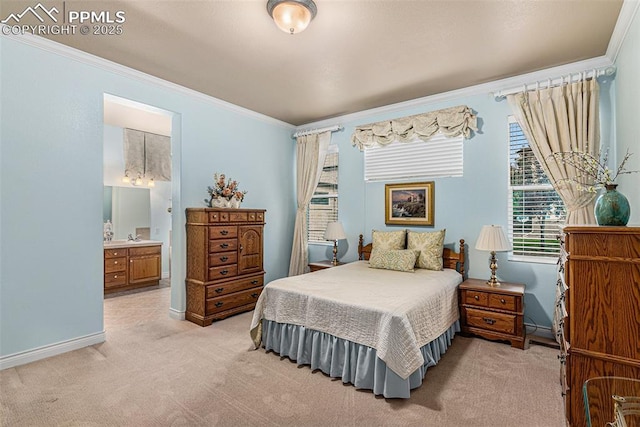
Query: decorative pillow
point(393, 259)
point(430, 246)
point(388, 239)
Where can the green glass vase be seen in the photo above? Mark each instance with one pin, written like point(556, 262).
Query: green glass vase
point(612, 207)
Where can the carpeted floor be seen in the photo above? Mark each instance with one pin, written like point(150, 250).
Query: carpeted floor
point(155, 371)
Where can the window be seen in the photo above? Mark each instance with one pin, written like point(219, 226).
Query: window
point(536, 211)
point(323, 208)
point(440, 156)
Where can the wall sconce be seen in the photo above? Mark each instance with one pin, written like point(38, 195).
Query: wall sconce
point(292, 16)
point(334, 232)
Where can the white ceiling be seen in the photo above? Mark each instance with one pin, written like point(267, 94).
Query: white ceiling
point(355, 55)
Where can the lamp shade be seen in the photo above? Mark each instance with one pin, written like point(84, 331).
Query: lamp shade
point(334, 231)
point(493, 238)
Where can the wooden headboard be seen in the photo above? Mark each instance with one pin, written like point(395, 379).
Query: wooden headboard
point(451, 259)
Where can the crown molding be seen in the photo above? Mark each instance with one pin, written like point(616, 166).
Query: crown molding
point(625, 18)
point(113, 67)
point(481, 89)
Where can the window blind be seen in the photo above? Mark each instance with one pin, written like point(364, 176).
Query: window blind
point(441, 156)
point(323, 207)
point(536, 211)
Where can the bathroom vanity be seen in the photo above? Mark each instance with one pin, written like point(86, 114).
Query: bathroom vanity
point(131, 264)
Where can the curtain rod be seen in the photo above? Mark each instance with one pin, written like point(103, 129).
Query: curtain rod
point(557, 81)
point(335, 128)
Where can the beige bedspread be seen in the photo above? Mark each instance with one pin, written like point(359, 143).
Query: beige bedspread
point(394, 312)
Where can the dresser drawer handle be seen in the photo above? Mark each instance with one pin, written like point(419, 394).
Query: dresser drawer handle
point(115, 277)
point(255, 295)
point(224, 232)
point(115, 253)
point(254, 282)
point(488, 320)
point(224, 272)
point(115, 262)
point(502, 301)
point(476, 297)
point(219, 304)
point(223, 258)
point(218, 290)
point(224, 245)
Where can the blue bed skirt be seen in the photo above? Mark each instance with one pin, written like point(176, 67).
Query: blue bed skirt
point(354, 363)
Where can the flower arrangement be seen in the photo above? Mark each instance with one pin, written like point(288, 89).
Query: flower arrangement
point(593, 172)
point(223, 190)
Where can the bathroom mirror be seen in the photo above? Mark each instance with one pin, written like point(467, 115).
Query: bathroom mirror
point(129, 210)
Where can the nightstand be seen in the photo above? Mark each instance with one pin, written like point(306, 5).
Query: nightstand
point(321, 265)
point(491, 312)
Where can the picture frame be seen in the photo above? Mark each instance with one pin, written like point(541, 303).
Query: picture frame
point(409, 203)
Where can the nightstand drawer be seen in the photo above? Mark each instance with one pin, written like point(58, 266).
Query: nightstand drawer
point(504, 302)
point(476, 298)
point(500, 322)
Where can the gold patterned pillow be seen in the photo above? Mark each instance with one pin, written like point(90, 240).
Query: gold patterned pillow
point(388, 239)
point(430, 246)
point(393, 259)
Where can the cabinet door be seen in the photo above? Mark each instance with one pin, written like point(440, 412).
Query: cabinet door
point(249, 248)
point(145, 268)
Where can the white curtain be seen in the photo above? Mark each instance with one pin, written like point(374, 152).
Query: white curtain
point(310, 155)
point(562, 119)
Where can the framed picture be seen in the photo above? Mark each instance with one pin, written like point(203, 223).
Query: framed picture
point(409, 204)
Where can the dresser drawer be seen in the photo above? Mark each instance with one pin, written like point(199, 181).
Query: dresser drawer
point(223, 232)
point(238, 216)
point(115, 253)
point(223, 258)
point(115, 264)
point(236, 299)
point(240, 285)
point(115, 279)
point(499, 322)
point(223, 272)
point(503, 302)
point(223, 245)
point(476, 298)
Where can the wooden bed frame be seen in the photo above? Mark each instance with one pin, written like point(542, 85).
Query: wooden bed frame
point(451, 259)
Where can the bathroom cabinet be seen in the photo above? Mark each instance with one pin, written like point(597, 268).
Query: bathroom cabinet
point(132, 265)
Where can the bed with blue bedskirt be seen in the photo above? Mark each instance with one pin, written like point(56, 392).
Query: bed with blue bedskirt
point(379, 330)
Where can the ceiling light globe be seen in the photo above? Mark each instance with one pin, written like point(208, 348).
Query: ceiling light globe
point(292, 16)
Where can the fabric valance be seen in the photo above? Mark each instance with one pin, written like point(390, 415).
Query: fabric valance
point(147, 154)
point(451, 122)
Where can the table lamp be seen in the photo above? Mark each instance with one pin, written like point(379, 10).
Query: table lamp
point(493, 238)
point(334, 232)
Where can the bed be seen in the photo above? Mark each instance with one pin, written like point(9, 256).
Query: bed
point(377, 329)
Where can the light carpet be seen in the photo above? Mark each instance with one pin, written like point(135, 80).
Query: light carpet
point(155, 371)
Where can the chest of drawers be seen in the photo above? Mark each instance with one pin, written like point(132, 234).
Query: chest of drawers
point(224, 262)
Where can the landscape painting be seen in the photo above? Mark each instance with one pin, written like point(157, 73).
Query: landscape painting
point(409, 204)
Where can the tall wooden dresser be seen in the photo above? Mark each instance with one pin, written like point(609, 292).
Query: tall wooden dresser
point(599, 309)
point(224, 262)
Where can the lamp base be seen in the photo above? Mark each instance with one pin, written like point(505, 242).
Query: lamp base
point(493, 265)
point(334, 261)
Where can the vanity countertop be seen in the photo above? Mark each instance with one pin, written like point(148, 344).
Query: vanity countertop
point(116, 244)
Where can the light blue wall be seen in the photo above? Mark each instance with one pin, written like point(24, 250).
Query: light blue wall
point(628, 115)
point(463, 205)
point(51, 186)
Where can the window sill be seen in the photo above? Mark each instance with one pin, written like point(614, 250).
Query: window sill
point(327, 243)
point(534, 260)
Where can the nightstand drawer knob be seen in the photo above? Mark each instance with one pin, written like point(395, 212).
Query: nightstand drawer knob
point(502, 301)
point(476, 297)
point(254, 282)
point(255, 295)
point(488, 320)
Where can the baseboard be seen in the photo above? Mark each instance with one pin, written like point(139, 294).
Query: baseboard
point(39, 353)
point(175, 314)
point(540, 331)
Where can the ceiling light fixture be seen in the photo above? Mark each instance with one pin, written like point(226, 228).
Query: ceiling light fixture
point(292, 16)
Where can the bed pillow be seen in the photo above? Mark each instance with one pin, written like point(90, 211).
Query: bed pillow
point(393, 259)
point(388, 239)
point(430, 246)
